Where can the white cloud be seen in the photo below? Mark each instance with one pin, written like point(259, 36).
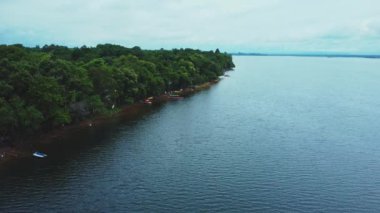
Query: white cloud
point(246, 25)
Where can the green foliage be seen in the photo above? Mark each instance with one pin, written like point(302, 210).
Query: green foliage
point(16, 115)
point(8, 120)
point(41, 88)
point(95, 104)
point(27, 116)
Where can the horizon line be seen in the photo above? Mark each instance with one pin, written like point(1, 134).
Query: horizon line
point(309, 54)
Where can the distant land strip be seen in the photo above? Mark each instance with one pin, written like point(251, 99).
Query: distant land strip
point(309, 55)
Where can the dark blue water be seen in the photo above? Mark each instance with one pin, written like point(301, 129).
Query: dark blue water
point(281, 134)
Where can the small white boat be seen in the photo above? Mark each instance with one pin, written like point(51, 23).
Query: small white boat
point(39, 155)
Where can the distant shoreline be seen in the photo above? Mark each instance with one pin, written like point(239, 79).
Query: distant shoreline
point(310, 55)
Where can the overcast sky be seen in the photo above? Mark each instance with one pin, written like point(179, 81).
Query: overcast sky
point(350, 26)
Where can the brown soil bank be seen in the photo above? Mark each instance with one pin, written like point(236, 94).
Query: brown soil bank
point(25, 149)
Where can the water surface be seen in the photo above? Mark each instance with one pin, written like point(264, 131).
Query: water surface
point(280, 134)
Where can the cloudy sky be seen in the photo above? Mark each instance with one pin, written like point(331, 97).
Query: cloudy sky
point(347, 26)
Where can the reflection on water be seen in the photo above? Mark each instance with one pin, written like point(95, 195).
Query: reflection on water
point(280, 134)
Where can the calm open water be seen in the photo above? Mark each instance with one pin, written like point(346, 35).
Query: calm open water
point(285, 134)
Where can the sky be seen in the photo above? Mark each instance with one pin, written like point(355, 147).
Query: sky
point(280, 26)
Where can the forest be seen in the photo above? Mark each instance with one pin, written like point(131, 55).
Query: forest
point(42, 88)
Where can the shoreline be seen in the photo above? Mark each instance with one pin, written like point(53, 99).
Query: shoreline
point(20, 150)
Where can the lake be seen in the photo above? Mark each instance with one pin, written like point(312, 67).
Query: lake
point(288, 134)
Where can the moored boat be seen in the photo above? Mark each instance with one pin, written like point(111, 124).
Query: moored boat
point(39, 155)
point(148, 101)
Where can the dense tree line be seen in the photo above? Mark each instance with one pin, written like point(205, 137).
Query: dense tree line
point(42, 88)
